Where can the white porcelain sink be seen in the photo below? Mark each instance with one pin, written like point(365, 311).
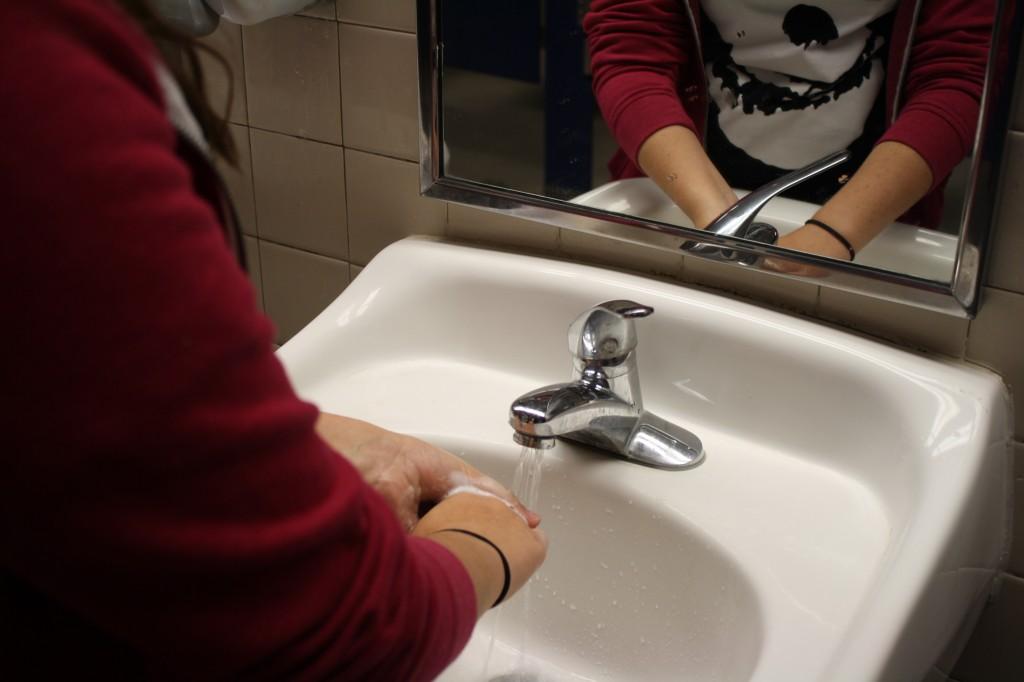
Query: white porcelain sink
point(903, 248)
point(851, 510)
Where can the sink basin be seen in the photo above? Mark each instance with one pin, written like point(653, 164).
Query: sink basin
point(850, 514)
point(629, 580)
point(908, 249)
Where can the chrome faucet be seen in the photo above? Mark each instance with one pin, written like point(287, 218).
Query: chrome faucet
point(601, 404)
point(738, 219)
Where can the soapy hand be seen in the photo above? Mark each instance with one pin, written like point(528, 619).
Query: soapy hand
point(408, 472)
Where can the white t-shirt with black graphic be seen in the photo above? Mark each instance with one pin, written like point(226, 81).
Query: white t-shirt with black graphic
point(790, 83)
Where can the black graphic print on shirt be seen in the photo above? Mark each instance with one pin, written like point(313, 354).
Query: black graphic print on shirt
point(807, 24)
point(794, 87)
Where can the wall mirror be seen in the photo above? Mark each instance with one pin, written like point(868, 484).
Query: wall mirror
point(637, 119)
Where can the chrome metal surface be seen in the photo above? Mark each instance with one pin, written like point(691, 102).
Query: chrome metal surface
point(958, 297)
point(736, 219)
point(601, 405)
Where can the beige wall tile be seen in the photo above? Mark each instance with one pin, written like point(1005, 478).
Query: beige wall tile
point(994, 652)
point(300, 193)
point(905, 325)
point(1017, 549)
point(1007, 243)
point(774, 290)
point(239, 179)
point(399, 15)
point(252, 257)
point(996, 340)
point(590, 248)
point(291, 77)
point(379, 91)
point(480, 225)
point(384, 204)
point(322, 9)
point(297, 286)
point(221, 84)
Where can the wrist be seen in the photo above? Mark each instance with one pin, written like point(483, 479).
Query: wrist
point(505, 567)
point(481, 562)
point(846, 249)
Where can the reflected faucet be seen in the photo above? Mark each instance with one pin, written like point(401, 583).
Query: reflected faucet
point(601, 405)
point(738, 219)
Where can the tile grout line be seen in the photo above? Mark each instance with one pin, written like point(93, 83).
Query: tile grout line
point(308, 252)
point(344, 155)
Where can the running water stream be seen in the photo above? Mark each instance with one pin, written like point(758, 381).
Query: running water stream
point(525, 486)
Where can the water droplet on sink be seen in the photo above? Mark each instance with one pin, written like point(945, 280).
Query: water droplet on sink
point(604, 565)
point(607, 510)
point(572, 607)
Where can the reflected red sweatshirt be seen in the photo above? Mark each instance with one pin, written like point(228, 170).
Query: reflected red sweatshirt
point(166, 509)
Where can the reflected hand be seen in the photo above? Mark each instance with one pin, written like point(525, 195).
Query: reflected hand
point(808, 239)
point(406, 471)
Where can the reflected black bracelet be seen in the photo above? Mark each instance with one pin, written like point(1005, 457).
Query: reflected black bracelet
point(835, 233)
point(501, 555)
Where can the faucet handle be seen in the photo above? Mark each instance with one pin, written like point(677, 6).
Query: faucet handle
point(606, 332)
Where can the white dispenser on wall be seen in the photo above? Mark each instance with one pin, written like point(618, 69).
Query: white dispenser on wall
point(200, 17)
point(255, 11)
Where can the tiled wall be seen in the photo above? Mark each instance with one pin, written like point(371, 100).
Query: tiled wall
point(325, 117)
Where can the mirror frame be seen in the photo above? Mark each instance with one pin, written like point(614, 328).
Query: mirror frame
point(959, 297)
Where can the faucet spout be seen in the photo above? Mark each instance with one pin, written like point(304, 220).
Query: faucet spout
point(739, 219)
point(602, 405)
point(574, 408)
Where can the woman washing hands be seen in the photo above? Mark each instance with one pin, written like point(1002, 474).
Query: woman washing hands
point(706, 96)
point(169, 508)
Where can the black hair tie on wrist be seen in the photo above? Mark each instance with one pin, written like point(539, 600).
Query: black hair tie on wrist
point(501, 555)
point(835, 233)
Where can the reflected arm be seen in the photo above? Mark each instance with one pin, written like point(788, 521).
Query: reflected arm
point(675, 159)
point(892, 179)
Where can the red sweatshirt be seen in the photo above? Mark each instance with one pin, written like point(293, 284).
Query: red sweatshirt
point(648, 74)
point(166, 508)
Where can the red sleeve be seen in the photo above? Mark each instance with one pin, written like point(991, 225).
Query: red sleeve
point(638, 51)
point(938, 115)
point(160, 477)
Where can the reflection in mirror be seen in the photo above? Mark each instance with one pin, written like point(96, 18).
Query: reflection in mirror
point(672, 110)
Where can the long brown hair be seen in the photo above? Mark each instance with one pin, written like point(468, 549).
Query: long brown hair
point(181, 55)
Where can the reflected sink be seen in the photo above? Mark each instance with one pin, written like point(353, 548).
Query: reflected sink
point(849, 518)
point(908, 249)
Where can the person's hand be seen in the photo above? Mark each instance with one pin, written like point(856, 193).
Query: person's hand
point(406, 471)
point(522, 546)
point(809, 239)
